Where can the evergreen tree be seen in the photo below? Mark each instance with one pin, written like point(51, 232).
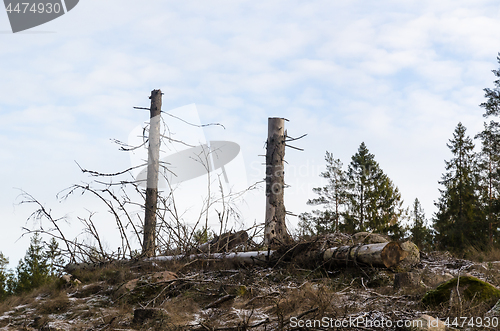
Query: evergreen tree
point(54, 258)
point(459, 221)
point(492, 105)
point(332, 197)
point(490, 159)
point(489, 166)
point(4, 277)
point(420, 233)
point(34, 270)
point(374, 201)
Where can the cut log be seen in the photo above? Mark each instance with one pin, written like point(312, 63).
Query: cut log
point(411, 257)
point(378, 255)
point(389, 255)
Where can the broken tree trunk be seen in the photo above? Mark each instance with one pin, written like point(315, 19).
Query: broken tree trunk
point(149, 243)
point(389, 255)
point(275, 228)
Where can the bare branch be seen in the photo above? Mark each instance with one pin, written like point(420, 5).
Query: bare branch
point(300, 149)
point(292, 139)
point(196, 125)
point(99, 174)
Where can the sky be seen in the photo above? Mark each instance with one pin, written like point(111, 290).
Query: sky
point(397, 75)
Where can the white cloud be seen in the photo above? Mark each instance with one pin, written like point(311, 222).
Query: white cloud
point(397, 75)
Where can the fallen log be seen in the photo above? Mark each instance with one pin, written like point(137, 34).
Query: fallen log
point(387, 255)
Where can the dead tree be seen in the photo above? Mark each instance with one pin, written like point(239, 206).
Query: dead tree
point(275, 228)
point(149, 243)
point(402, 257)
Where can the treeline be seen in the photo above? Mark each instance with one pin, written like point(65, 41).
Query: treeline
point(41, 264)
point(364, 198)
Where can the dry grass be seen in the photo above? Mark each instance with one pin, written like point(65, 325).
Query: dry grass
point(276, 293)
point(55, 304)
point(477, 255)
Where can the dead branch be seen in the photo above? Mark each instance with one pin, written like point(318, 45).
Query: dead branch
point(292, 139)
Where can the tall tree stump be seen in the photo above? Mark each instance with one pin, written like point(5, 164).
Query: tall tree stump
point(275, 227)
point(149, 243)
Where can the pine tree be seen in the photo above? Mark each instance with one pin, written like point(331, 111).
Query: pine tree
point(34, 270)
point(420, 233)
point(374, 201)
point(459, 221)
point(332, 197)
point(54, 258)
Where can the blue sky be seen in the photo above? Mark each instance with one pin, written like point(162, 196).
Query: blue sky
point(398, 75)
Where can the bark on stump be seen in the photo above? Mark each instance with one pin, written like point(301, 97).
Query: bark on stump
point(275, 233)
point(149, 243)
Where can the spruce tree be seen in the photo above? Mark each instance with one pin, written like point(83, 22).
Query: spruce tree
point(332, 197)
point(492, 105)
point(374, 202)
point(54, 258)
point(34, 270)
point(489, 165)
point(459, 221)
point(490, 159)
point(420, 233)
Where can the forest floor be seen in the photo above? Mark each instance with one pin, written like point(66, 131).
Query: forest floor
point(214, 295)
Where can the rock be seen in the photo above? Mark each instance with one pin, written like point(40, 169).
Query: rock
point(406, 279)
point(130, 285)
point(143, 314)
point(68, 280)
point(381, 278)
point(368, 238)
point(469, 287)
point(432, 279)
point(161, 276)
point(427, 323)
